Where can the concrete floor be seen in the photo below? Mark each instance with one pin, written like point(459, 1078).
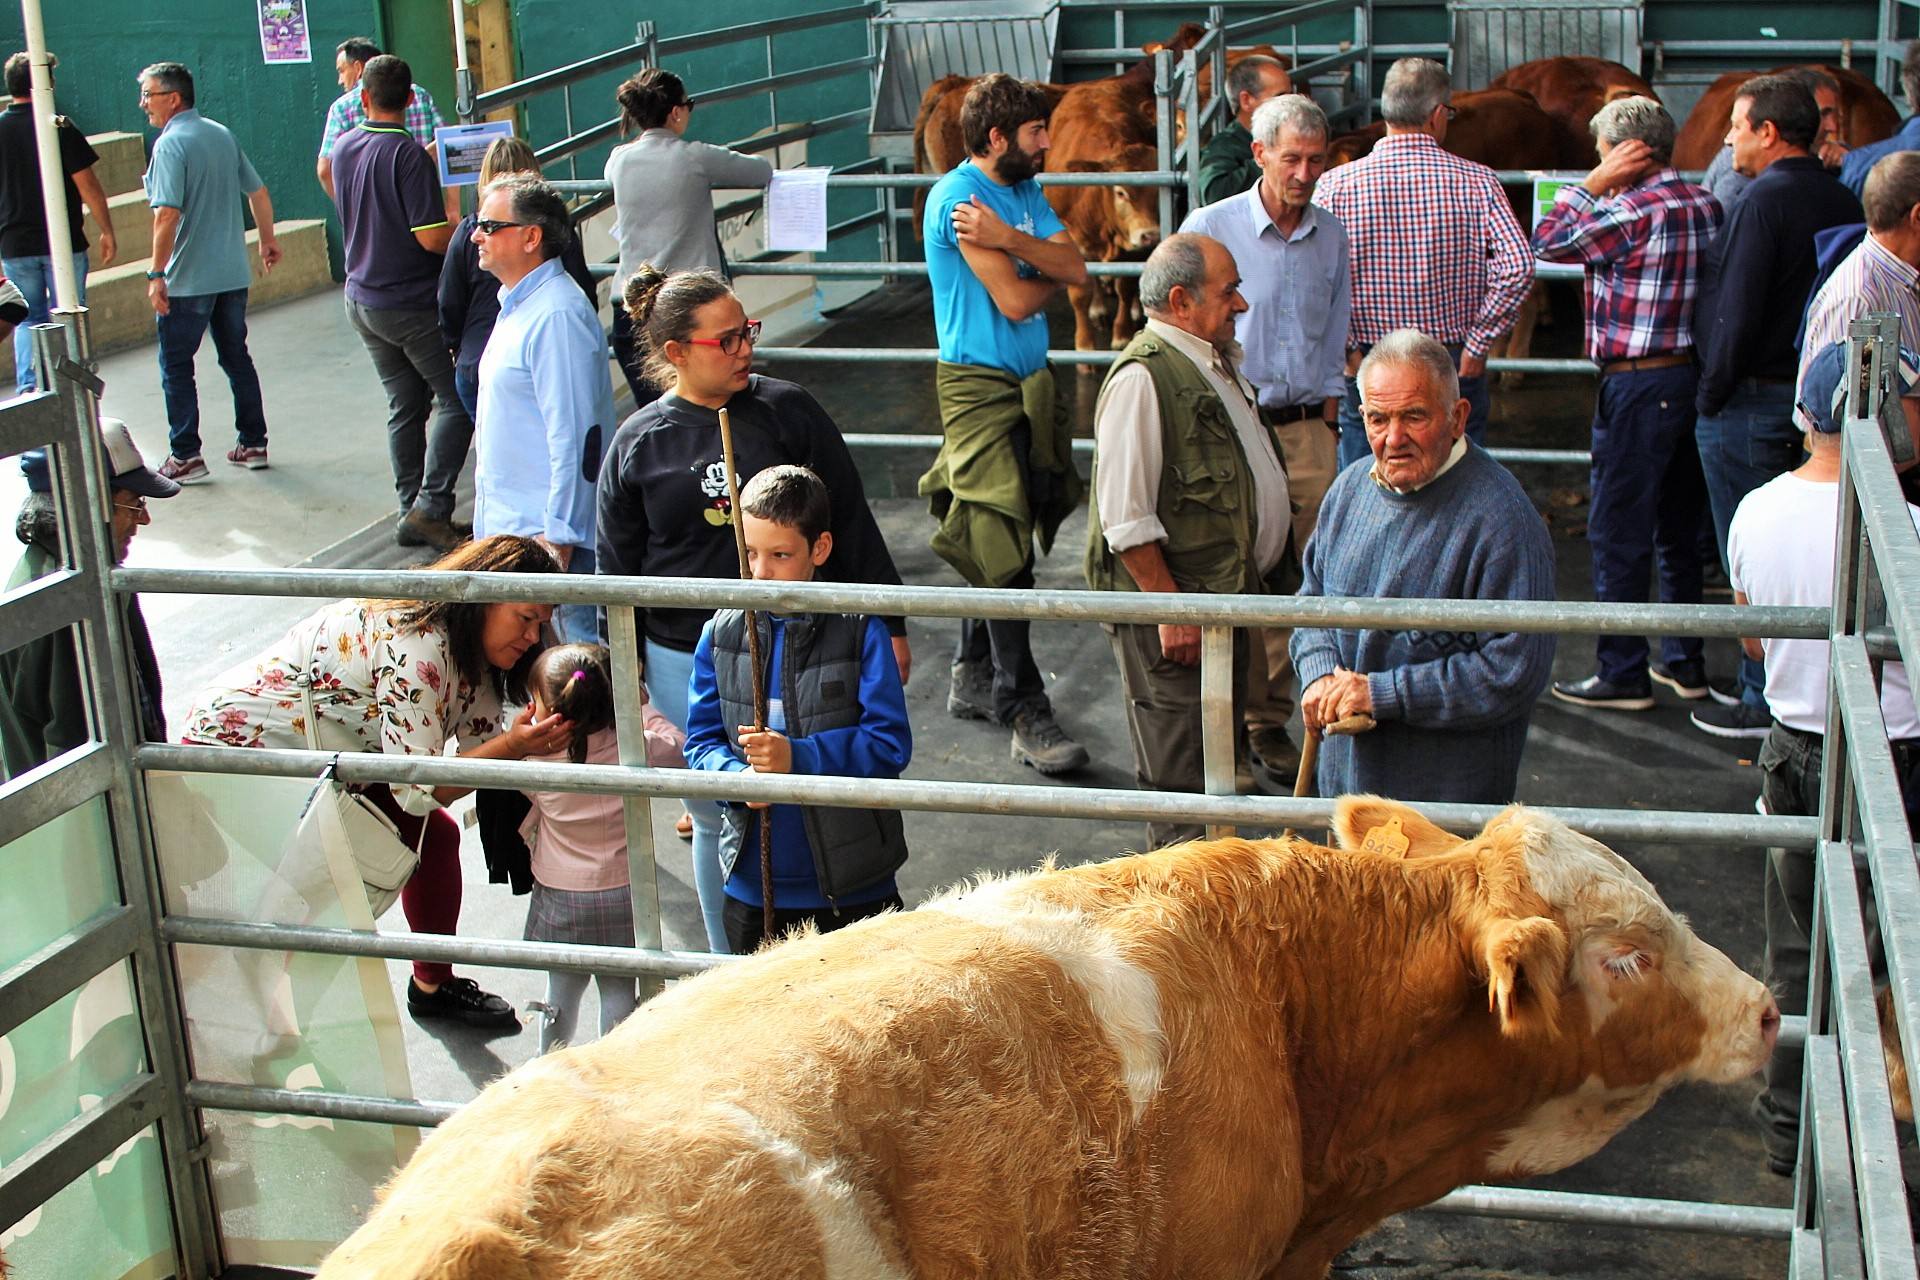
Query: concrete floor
point(327, 500)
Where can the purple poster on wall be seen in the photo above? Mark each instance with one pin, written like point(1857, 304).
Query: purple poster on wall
point(283, 31)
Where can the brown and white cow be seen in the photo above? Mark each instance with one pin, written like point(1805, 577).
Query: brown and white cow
point(1866, 115)
point(1224, 1059)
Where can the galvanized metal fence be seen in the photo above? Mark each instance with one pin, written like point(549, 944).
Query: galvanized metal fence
point(1850, 1215)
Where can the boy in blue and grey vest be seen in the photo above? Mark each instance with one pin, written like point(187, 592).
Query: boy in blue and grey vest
point(834, 706)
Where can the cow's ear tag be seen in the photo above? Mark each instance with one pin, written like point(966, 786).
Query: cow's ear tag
point(1387, 838)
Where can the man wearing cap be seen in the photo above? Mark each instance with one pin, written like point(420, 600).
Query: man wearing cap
point(43, 704)
point(1780, 551)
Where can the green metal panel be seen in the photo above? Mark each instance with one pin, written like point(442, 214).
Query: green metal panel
point(421, 31)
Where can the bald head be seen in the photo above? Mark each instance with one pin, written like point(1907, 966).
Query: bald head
point(1192, 283)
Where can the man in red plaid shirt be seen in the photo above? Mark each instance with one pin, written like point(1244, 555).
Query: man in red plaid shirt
point(1435, 244)
point(1642, 233)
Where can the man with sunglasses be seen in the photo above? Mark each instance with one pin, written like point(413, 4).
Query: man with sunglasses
point(43, 706)
point(546, 398)
point(397, 234)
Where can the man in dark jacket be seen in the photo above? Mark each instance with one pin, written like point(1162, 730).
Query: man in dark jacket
point(1753, 289)
point(1226, 163)
point(43, 703)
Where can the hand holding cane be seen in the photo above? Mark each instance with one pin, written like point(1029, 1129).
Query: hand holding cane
point(1310, 754)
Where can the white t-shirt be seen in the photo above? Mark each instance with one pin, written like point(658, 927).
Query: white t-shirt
point(1781, 550)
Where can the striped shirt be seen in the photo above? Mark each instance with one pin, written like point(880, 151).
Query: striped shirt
point(1642, 250)
point(1868, 279)
point(348, 113)
point(1435, 244)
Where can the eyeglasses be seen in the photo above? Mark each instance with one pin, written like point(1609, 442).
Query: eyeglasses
point(729, 343)
point(1451, 110)
point(147, 94)
point(494, 226)
point(687, 103)
point(138, 508)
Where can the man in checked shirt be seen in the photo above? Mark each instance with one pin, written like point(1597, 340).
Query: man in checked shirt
point(1435, 244)
point(1641, 233)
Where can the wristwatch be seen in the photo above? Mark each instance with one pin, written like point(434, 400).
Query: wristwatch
point(156, 275)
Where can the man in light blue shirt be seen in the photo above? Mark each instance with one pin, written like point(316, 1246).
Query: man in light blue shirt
point(197, 180)
point(1293, 259)
point(1860, 161)
point(546, 396)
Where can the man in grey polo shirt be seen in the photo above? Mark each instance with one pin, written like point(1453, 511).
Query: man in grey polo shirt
point(196, 181)
point(1294, 273)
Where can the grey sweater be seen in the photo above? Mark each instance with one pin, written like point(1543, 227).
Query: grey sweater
point(1452, 706)
point(663, 188)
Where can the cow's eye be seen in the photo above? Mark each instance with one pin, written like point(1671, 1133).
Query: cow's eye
point(1629, 962)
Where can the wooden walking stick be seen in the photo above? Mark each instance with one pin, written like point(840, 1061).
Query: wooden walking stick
point(758, 663)
point(1310, 755)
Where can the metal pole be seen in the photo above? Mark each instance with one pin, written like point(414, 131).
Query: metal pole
point(1217, 727)
point(53, 174)
point(1190, 95)
point(1163, 132)
point(629, 722)
point(462, 71)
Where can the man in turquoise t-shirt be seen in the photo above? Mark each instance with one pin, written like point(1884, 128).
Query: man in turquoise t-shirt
point(197, 181)
point(996, 252)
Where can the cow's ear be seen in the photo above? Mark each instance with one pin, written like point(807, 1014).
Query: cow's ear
point(1396, 828)
point(1526, 962)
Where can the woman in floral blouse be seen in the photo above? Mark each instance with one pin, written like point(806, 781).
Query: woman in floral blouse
point(404, 677)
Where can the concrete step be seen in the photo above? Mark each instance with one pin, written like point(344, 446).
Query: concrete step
point(123, 158)
point(132, 227)
point(121, 316)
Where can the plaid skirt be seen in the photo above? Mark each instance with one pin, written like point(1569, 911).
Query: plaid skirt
point(594, 917)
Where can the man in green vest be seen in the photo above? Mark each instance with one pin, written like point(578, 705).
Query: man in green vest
point(1189, 494)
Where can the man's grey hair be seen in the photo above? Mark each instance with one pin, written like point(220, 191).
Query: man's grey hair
point(1295, 111)
point(1178, 261)
point(1414, 87)
point(1412, 348)
point(171, 77)
point(1639, 119)
point(1245, 75)
point(534, 203)
point(1910, 76)
point(1892, 189)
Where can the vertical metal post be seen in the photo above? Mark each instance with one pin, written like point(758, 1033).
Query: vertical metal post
point(53, 187)
point(1119, 35)
point(645, 33)
point(1163, 132)
point(1217, 32)
point(1190, 96)
point(773, 99)
point(1217, 729)
point(1363, 69)
point(566, 105)
point(629, 725)
point(81, 486)
point(462, 71)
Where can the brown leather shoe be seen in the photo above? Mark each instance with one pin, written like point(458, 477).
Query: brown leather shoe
point(417, 530)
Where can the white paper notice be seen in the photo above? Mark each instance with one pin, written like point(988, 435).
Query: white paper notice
point(797, 210)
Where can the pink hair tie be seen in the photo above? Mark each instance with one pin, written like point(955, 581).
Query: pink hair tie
point(578, 674)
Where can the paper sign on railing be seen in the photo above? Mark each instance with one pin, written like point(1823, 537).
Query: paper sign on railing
point(797, 210)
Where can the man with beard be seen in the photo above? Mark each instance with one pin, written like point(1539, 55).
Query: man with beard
point(996, 253)
point(1295, 276)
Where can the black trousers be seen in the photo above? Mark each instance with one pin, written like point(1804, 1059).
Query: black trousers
point(743, 922)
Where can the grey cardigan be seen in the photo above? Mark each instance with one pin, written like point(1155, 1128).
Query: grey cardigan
point(663, 200)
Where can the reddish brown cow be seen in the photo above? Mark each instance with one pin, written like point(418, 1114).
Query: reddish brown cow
point(1866, 115)
point(1572, 89)
point(1226, 1059)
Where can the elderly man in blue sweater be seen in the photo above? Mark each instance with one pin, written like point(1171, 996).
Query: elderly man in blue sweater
point(1429, 516)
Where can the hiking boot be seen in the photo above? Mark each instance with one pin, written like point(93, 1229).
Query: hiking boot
point(1039, 741)
point(417, 529)
point(1738, 721)
point(251, 456)
point(1690, 681)
point(185, 470)
point(1274, 752)
point(970, 697)
point(462, 1000)
point(1598, 691)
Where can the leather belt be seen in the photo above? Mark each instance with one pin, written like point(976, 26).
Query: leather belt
point(1293, 413)
point(1668, 361)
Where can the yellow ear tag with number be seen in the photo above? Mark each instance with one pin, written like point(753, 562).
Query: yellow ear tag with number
point(1388, 839)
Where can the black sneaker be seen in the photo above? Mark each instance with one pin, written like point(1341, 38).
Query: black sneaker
point(1738, 721)
point(1690, 681)
point(970, 697)
point(1039, 741)
point(1597, 691)
point(462, 1000)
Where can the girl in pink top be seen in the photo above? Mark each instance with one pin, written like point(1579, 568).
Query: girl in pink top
point(579, 841)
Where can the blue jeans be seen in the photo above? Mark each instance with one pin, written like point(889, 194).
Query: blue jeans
point(1649, 506)
point(1353, 431)
point(1750, 441)
point(580, 623)
point(189, 318)
point(669, 673)
point(34, 277)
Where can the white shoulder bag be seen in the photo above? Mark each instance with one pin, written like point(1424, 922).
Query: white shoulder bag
point(336, 812)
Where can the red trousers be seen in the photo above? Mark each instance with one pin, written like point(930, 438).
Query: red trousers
point(431, 899)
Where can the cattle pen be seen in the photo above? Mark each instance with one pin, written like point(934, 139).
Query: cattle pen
point(126, 939)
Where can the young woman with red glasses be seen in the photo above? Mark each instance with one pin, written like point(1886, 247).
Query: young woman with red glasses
point(663, 503)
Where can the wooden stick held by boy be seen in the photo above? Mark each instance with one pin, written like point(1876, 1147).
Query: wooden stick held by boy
point(755, 658)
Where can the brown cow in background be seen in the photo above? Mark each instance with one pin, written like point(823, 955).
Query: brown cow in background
point(1866, 115)
point(1571, 90)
